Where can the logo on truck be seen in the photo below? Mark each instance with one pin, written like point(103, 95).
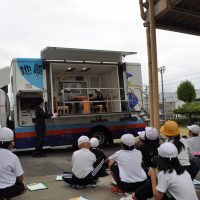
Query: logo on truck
point(32, 71)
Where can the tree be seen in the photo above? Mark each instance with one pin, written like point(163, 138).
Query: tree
point(186, 92)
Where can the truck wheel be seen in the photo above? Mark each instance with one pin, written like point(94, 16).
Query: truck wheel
point(100, 134)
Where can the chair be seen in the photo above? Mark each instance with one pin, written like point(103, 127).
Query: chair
point(59, 109)
point(101, 107)
point(62, 111)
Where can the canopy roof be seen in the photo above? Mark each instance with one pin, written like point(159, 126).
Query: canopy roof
point(178, 15)
point(71, 54)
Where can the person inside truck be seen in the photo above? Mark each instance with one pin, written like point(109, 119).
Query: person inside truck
point(64, 99)
point(11, 172)
point(99, 104)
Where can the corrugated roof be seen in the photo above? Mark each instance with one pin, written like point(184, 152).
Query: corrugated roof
point(178, 15)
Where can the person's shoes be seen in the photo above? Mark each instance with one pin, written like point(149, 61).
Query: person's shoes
point(43, 155)
point(78, 187)
point(129, 197)
point(92, 185)
point(113, 183)
point(3, 198)
point(38, 155)
point(116, 189)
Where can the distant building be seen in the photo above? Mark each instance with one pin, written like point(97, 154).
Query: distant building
point(171, 102)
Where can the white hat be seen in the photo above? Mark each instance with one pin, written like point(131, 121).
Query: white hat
point(83, 139)
point(128, 139)
point(142, 134)
point(6, 134)
point(94, 142)
point(151, 133)
point(168, 150)
point(194, 129)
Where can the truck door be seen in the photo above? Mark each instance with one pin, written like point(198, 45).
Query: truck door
point(3, 115)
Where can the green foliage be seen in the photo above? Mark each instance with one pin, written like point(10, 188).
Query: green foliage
point(184, 120)
point(186, 91)
point(181, 121)
point(188, 108)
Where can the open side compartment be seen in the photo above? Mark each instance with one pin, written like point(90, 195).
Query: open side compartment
point(74, 84)
point(27, 101)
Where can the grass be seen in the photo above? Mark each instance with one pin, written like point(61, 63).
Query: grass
point(184, 131)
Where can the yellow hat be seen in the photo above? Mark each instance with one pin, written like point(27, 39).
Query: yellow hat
point(170, 128)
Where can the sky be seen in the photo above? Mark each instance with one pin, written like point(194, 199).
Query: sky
point(28, 26)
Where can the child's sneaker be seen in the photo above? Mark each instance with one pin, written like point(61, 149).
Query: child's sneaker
point(127, 198)
point(113, 183)
point(116, 189)
point(92, 185)
point(78, 187)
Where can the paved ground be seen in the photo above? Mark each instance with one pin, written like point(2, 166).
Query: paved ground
point(57, 161)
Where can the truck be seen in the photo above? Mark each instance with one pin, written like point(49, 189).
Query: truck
point(67, 79)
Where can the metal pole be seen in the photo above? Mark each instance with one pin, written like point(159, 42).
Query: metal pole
point(154, 65)
point(150, 76)
point(162, 70)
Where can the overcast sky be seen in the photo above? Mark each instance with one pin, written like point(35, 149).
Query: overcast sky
point(28, 26)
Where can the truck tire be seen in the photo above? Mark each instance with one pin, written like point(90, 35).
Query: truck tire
point(101, 135)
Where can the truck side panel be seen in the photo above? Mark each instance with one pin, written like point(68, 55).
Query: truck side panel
point(67, 134)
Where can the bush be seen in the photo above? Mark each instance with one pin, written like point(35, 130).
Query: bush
point(185, 121)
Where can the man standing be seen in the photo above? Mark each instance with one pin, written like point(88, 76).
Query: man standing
point(40, 128)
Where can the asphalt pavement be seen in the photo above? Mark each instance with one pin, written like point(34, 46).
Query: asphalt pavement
point(47, 168)
point(57, 161)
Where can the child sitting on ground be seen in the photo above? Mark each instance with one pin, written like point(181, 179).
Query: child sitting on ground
point(94, 142)
point(194, 140)
point(194, 143)
point(85, 166)
point(172, 178)
point(149, 146)
point(125, 166)
point(11, 173)
point(171, 130)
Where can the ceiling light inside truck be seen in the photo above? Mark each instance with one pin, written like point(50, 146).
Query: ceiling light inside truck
point(84, 69)
point(69, 69)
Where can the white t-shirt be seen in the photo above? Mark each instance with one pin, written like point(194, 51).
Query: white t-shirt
point(179, 186)
point(194, 142)
point(183, 156)
point(129, 163)
point(10, 168)
point(82, 162)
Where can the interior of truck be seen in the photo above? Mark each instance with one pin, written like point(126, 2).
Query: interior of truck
point(76, 88)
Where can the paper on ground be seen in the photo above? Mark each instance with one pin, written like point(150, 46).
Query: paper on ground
point(36, 186)
point(196, 182)
point(78, 198)
point(59, 178)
